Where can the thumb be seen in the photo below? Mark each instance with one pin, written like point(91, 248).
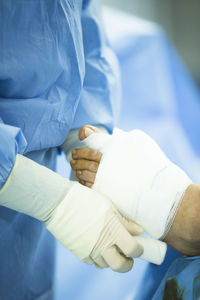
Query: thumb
point(132, 227)
point(85, 131)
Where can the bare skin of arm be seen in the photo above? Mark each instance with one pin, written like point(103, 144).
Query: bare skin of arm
point(184, 234)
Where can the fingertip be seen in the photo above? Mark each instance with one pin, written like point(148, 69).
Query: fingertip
point(85, 131)
point(74, 152)
point(88, 131)
point(88, 184)
point(124, 266)
point(129, 265)
point(82, 133)
point(72, 163)
point(117, 261)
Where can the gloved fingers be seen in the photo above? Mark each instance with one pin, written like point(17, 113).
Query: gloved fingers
point(117, 261)
point(128, 244)
point(100, 263)
point(83, 164)
point(132, 227)
point(86, 153)
point(86, 175)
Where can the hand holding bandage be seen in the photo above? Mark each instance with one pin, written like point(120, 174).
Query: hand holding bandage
point(145, 186)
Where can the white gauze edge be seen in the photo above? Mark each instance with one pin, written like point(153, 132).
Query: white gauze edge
point(138, 177)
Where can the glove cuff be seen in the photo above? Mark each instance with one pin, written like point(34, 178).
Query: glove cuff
point(33, 189)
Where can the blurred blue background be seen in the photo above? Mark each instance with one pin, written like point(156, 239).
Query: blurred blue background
point(160, 97)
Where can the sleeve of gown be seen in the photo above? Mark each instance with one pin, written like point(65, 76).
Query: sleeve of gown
point(12, 142)
point(100, 99)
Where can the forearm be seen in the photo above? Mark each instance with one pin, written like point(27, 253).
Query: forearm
point(184, 235)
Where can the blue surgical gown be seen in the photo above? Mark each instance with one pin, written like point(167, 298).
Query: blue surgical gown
point(182, 280)
point(57, 73)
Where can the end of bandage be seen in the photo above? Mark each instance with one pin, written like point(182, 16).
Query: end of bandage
point(154, 250)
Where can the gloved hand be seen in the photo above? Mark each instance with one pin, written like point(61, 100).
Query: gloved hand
point(84, 221)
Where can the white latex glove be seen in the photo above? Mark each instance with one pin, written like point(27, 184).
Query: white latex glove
point(84, 221)
point(138, 177)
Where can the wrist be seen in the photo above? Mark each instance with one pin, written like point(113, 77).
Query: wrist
point(184, 233)
point(33, 189)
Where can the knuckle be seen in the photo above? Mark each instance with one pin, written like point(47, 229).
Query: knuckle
point(94, 166)
point(93, 152)
point(89, 173)
point(81, 152)
point(85, 173)
point(78, 151)
point(79, 173)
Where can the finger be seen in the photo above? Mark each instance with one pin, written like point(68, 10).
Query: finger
point(116, 261)
point(86, 153)
point(82, 182)
point(86, 175)
point(132, 227)
point(100, 263)
point(82, 164)
point(88, 184)
point(127, 243)
point(86, 130)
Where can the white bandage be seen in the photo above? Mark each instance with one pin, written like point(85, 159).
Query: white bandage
point(138, 177)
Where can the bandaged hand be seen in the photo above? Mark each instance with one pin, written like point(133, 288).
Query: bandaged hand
point(140, 180)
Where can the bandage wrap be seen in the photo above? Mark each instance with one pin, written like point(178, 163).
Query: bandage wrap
point(143, 183)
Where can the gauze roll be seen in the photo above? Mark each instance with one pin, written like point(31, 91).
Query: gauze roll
point(143, 183)
point(154, 250)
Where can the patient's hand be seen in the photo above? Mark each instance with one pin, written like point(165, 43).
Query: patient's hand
point(184, 233)
point(86, 161)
